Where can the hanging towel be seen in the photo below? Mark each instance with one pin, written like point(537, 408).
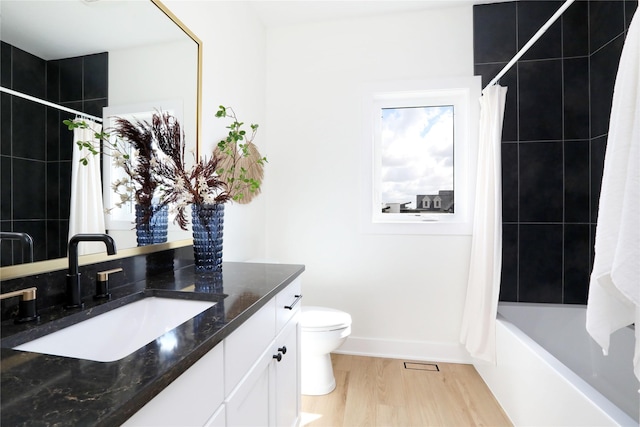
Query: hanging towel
point(614, 289)
point(86, 214)
point(478, 332)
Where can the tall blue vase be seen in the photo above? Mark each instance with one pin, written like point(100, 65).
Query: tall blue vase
point(155, 229)
point(207, 223)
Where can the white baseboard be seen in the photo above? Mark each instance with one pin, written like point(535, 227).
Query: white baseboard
point(414, 350)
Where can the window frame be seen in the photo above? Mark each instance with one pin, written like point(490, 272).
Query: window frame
point(461, 92)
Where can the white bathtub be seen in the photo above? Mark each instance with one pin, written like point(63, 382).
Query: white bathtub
point(550, 372)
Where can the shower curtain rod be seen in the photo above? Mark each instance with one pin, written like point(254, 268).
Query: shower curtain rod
point(49, 104)
point(530, 43)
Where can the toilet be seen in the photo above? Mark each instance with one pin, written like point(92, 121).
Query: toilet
point(323, 330)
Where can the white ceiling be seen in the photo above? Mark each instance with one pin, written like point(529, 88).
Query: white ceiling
point(30, 26)
point(289, 12)
point(54, 29)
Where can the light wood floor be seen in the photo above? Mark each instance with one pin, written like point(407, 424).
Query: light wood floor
point(383, 392)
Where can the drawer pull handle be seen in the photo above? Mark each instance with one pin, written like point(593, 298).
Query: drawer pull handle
point(283, 349)
point(278, 356)
point(290, 307)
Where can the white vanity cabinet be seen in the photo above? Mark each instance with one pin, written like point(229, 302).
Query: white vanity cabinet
point(252, 378)
point(269, 392)
point(191, 399)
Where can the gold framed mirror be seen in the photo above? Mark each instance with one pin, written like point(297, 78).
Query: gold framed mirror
point(136, 20)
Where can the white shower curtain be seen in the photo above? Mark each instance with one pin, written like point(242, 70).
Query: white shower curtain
point(481, 304)
point(87, 213)
point(614, 289)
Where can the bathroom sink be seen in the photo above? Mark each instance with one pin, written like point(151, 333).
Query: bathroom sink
point(119, 332)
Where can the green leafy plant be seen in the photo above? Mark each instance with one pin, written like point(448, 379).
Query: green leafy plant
point(233, 173)
point(241, 166)
point(130, 144)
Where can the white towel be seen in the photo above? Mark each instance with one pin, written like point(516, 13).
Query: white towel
point(86, 213)
point(614, 289)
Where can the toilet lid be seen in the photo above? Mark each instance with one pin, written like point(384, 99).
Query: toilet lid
point(323, 318)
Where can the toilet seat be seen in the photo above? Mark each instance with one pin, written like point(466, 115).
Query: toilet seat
point(318, 319)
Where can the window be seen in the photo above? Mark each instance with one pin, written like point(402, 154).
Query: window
point(420, 145)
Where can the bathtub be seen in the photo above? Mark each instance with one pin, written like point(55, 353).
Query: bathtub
point(549, 372)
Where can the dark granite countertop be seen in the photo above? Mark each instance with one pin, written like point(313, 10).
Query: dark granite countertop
point(44, 390)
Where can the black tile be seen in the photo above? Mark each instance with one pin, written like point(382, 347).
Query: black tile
point(94, 106)
point(604, 67)
point(576, 263)
point(65, 189)
point(576, 98)
point(598, 149)
point(5, 65)
point(53, 134)
point(5, 189)
point(494, 32)
point(6, 246)
point(53, 81)
point(53, 240)
point(540, 98)
point(630, 8)
point(63, 237)
point(487, 71)
point(5, 124)
point(96, 72)
point(53, 190)
point(70, 79)
point(540, 262)
point(531, 16)
point(606, 22)
point(509, 280)
point(575, 30)
point(37, 231)
point(576, 181)
point(28, 129)
point(29, 199)
point(510, 81)
point(541, 184)
point(29, 73)
point(509, 182)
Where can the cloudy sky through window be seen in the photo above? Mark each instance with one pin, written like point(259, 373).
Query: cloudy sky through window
point(417, 152)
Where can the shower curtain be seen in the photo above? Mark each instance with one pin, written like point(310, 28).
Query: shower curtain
point(87, 213)
point(614, 289)
point(481, 304)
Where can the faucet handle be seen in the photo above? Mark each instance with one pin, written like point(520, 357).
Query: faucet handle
point(102, 283)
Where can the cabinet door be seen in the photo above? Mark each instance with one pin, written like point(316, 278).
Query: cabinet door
point(286, 377)
point(250, 403)
point(188, 401)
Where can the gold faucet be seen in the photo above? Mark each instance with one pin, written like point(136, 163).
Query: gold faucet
point(27, 305)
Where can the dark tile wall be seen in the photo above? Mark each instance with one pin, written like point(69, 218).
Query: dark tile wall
point(51, 286)
point(554, 136)
point(36, 148)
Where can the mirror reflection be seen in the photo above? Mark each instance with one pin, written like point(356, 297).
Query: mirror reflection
point(98, 59)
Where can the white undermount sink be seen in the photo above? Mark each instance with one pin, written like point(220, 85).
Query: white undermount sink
point(119, 332)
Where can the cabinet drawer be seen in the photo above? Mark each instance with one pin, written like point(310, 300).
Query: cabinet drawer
point(288, 303)
point(245, 345)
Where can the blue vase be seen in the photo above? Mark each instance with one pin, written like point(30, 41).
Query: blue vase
point(207, 224)
point(155, 229)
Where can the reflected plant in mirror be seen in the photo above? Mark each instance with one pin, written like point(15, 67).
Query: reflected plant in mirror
point(131, 144)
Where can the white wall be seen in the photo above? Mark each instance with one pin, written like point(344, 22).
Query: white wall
point(234, 74)
point(404, 292)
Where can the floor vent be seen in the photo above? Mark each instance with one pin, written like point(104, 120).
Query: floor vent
point(421, 366)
